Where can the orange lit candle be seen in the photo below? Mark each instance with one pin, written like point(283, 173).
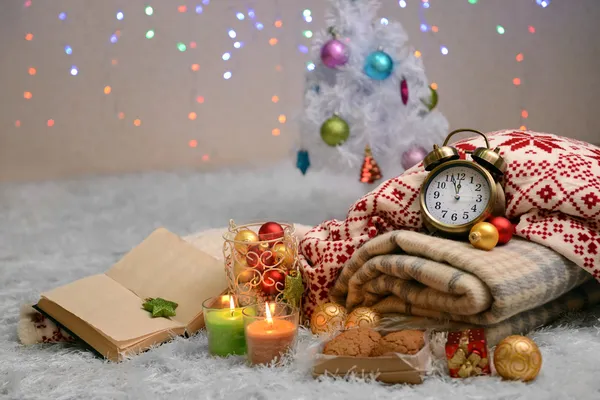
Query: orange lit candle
point(270, 336)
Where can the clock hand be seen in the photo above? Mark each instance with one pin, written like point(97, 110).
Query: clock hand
point(454, 183)
point(456, 189)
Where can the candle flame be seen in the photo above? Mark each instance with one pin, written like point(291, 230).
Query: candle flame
point(231, 305)
point(268, 313)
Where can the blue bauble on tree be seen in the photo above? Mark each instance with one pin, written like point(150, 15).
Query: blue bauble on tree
point(379, 65)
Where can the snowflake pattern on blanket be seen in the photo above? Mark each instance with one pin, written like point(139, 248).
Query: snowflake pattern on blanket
point(552, 188)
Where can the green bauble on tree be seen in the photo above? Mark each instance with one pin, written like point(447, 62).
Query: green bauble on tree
point(335, 131)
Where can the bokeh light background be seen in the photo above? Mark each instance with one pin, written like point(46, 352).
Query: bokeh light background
point(116, 86)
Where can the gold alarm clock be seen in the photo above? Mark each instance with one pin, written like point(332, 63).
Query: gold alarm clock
point(457, 194)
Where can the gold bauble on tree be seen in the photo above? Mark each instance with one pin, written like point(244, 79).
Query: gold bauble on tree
point(484, 236)
point(328, 318)
point(517, 358)
point(242, 237)
point(363, 317)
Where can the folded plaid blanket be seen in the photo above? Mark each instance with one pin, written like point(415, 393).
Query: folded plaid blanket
point(417, 274)
point(552, 187)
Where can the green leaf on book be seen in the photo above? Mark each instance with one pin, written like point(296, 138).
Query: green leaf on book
point(160, 307)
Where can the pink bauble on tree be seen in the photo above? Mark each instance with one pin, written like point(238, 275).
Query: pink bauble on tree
point(413, 156)
point(270, 231)
point(334, 53)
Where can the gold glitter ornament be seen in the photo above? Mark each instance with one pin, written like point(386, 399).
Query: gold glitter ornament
point(363, 317)
point(517, 358)
point(247, 236)
point(293, 289)
point(328, 318)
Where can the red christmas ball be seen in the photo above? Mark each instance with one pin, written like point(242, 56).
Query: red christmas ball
point(268, 258)
point(505, 229)
point(273, 282)
point(270, 231)
point(253, 259)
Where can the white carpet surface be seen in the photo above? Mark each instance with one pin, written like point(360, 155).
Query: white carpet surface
point(53, 233)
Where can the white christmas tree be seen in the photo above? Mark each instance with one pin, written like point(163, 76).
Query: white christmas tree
point(367, 93)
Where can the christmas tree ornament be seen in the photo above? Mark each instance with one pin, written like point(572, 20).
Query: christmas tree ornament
point(404, 91)
point(160, 307)
point(370, 171)
point(270, 231)
point(242, 271)
point(267, 259)
point(433, 99)
point(283, 255)
point(328, 318)
point(273, 282)
point(413, 156)
point(483, 236)
point(517, 358)
point(294, 288)
point(505, 229)
point(379, 65)
point(256, 258)
point(335, 131)
point(253, 259)
point(242, 240)
point(363, 317)
point(334, 53)
point(302, 161)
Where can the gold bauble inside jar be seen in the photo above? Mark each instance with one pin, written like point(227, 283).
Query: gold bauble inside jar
point(242, 237)
point(242, 272)
point(283, 254)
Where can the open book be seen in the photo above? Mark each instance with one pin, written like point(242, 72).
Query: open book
point(105, 310)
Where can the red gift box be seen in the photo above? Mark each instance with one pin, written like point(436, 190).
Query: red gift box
point(467, 353)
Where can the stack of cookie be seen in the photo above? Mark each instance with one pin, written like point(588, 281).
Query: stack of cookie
point(367, 342)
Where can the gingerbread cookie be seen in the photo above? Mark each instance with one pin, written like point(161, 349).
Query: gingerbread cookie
point(404, 342)
point(355, 342)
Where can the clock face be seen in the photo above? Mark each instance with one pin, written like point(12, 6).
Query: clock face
point(457, 195)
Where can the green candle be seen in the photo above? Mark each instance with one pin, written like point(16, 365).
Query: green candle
point(225, 329)
point(225, 324)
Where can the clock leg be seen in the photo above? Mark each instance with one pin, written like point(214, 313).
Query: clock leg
point(500, 204)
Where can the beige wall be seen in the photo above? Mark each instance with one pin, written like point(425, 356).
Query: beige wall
point(153, 81)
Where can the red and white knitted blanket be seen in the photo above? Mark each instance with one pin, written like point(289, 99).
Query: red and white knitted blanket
point(552, 187)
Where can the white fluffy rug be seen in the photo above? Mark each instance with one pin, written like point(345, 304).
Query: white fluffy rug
point(52, 233)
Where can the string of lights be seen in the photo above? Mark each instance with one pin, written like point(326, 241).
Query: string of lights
point(433, 30)
point(246, 14)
